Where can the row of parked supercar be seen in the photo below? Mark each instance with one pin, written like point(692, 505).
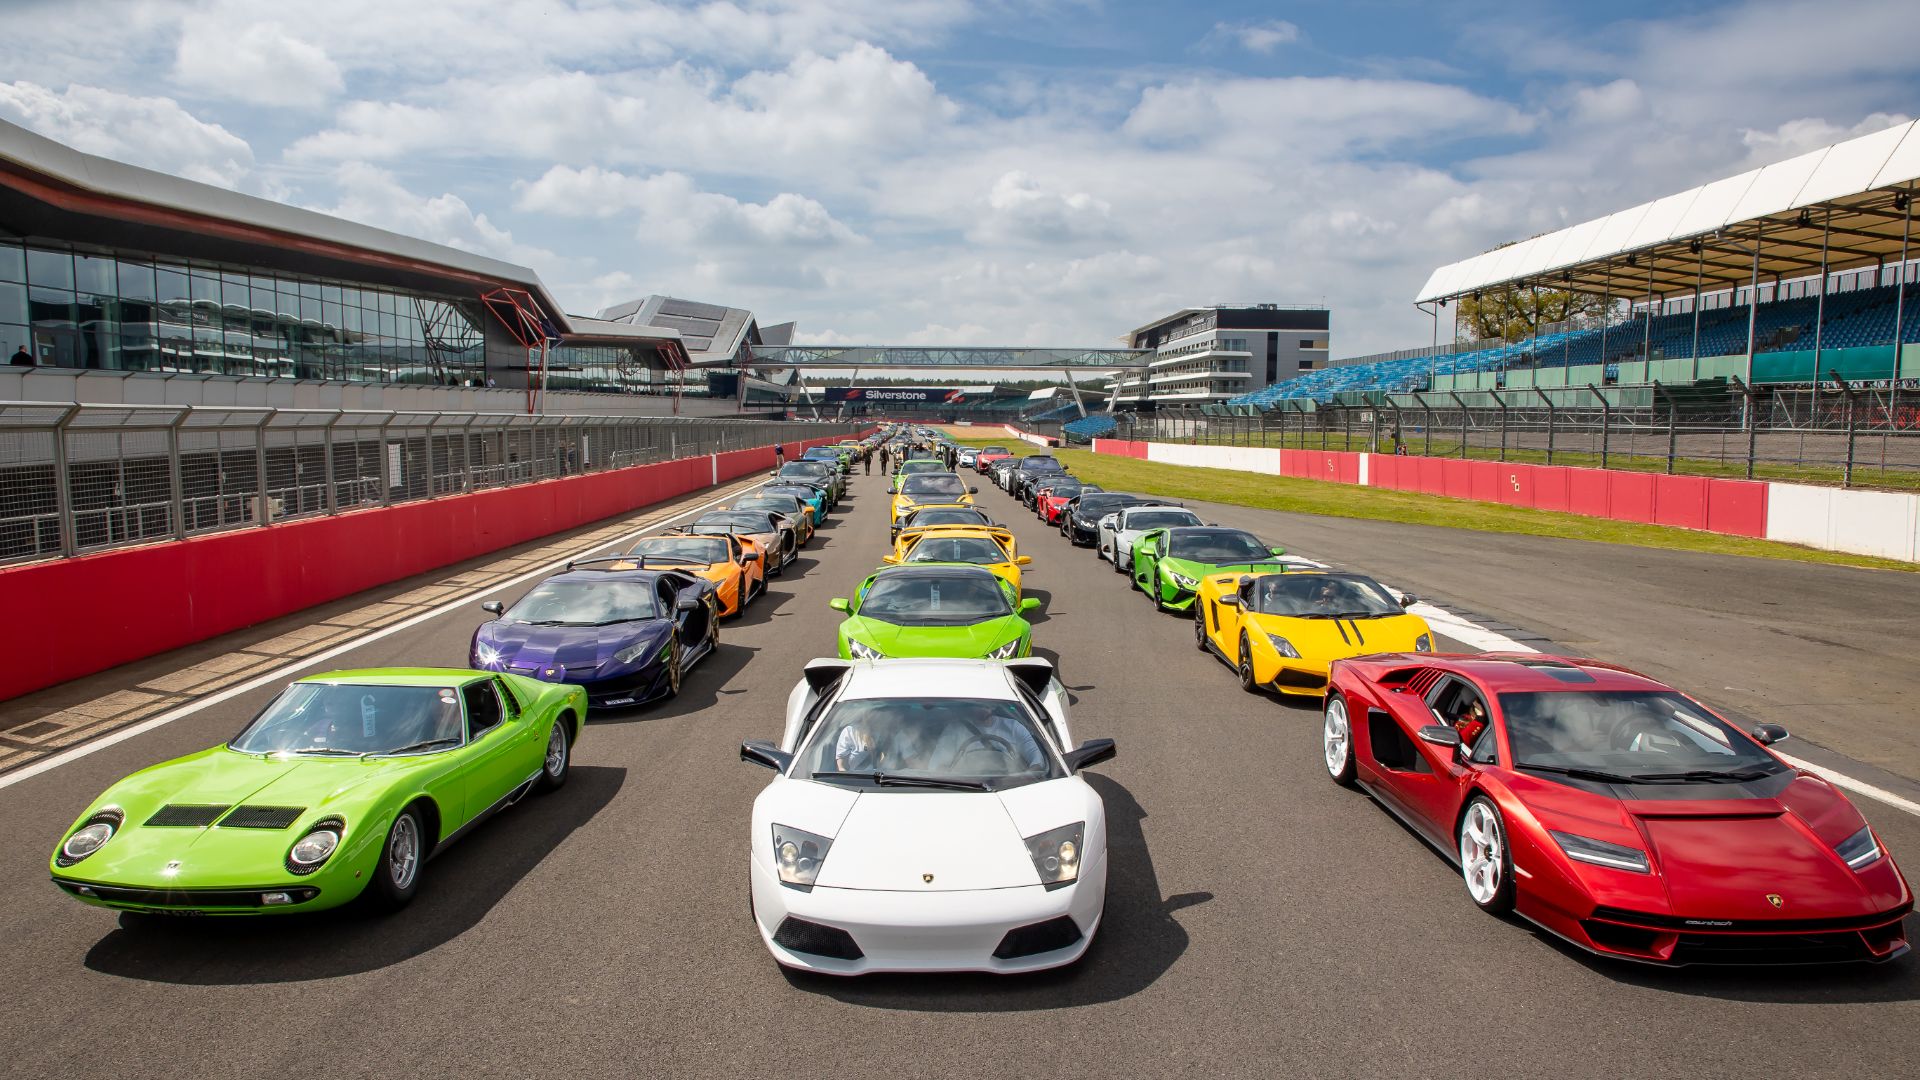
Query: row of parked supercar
point(1605, 807)
point(927, 812)
point(346, 783)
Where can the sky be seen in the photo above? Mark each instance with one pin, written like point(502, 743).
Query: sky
point(957, 172)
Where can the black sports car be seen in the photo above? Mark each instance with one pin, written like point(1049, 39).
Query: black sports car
point(1080, 521)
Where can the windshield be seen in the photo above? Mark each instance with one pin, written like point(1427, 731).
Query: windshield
point(325, 718)
point(921, 599)
point(922, 466)
point(1637, 734)
point(1321, 595)
point(1060, 489)
point(933, 484)
point(784, 504)
point(1160, 519)
point(996, 450)
point(795, 490)
point(947, 517)
point(750, 520)
point(1216, 547)
point(1099, 505)
point(693, 549)
point(967, 549)
point(1036, 463)
point(991, 742)
point(584, 603)
point(806, 470)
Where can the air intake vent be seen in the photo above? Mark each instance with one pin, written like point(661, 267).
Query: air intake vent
point(186, 817)
point(1031, 940)
point(262, 817)
point(802, 936)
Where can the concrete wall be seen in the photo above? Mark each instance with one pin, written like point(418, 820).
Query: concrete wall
point(1883, 524)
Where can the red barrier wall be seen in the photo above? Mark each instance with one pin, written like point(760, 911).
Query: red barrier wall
point(94, 612)
point(1733, 507)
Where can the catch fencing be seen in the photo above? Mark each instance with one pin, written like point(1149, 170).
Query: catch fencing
point(80, 478)
point(1848, 436)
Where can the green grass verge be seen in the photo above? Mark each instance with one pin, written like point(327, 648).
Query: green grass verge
point(1298, 496)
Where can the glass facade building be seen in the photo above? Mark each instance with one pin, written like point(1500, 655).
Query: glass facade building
point(132, 311)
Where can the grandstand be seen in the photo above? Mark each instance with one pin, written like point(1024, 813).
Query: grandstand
point(1794, 273)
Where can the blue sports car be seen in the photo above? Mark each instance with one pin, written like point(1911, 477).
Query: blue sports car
point(626, 636)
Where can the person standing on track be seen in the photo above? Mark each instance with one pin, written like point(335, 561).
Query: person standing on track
point(886, 460)
point(779, 455)
point(866, 464)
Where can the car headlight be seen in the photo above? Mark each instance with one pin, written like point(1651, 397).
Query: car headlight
point(1006, 652)
point(316, 847)
point(1183, 580)
point(638, 649)
point(1859, 851)
point(1283, 646)
point(797, 855)
point(1600, 853)
point(860, 650)
point(89, 837)
point(1423, 643)
point(486, 655)
point(1056, 853)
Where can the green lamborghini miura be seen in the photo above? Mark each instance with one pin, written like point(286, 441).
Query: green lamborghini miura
point(346, 783)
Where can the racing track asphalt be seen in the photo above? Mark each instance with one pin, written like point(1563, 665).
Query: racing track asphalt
point(1260, 922)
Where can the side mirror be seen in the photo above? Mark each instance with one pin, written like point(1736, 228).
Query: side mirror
point(839, 603)
point(1440, 735)
point(1024, 560)
point(1029, 604)
point(686, 603)
point(1229, 600)
point(973, 489)
point(1407, 600)
point(750, 556)
point(494, 606)
point(891, 559)
point(763, 753)
point(1091, 752)
point(1768, 734)
point(1278, 550)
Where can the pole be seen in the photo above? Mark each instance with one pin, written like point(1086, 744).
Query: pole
point(1753, 315)
point(1699, 271)
point(1606, 315)
point(1502, 402)
point(1820, 305)
point(1646, 336)
point(1900, 309)
point(1606, 417)
point(1549, 403)
point(1463, 421)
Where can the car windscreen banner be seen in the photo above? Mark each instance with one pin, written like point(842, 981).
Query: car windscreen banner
point(896, 395)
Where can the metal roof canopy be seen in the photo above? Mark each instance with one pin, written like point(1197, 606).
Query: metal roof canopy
point(1840, 199)
point(981, 357)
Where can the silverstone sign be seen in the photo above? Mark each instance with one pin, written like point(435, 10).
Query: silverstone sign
point(895, 395)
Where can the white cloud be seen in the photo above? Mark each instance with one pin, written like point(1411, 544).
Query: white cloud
point(1020, 210)
point(672, 208)
point(373, 196)
point(261, 64)
point(154, 132)
point(1260, 37)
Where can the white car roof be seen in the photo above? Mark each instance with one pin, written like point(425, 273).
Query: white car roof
point(1155, 506)
point(927, 678)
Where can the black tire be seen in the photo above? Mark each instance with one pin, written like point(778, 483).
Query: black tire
point(1199, 627)
point(1339, 763)
point(1501, 899)
point(740, 596)
point(553, 775)
point(396, 877)
point(1243, 667)
point(674, 674)
point(1133, 580)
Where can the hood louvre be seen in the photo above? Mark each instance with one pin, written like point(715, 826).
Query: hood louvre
point(262, 817)
point(184, 817)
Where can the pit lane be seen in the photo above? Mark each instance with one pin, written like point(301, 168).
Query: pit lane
point(1260, 921)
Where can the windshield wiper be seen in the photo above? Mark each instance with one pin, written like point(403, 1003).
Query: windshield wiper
point(1578, 774)
point(1709, 776)
point(896, 780)
point(331, 751)
point(428, 745)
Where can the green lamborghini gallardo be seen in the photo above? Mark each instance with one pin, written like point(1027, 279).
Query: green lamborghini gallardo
point(345, 784)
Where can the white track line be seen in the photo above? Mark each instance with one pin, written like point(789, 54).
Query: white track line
point(191, 707)
point(1480, 637)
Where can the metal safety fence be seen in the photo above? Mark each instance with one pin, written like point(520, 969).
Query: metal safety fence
point(82, 478)
point(1850, 436)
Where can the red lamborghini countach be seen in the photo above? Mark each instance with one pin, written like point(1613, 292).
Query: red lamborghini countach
point(1614, 811)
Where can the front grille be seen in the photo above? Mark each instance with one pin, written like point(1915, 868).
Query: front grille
point(184, 898)
point(1834, 948)
point(1305, 680)
point(262, 817)
point(799, 935)
point(189, 817)
point(1042, 937)
point(1763, 926)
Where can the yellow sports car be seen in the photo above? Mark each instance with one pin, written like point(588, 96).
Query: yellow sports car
point(1280, 631)
point(929, 487)
point(979, 545)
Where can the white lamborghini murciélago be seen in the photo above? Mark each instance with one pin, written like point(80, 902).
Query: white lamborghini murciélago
point(927, 815)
